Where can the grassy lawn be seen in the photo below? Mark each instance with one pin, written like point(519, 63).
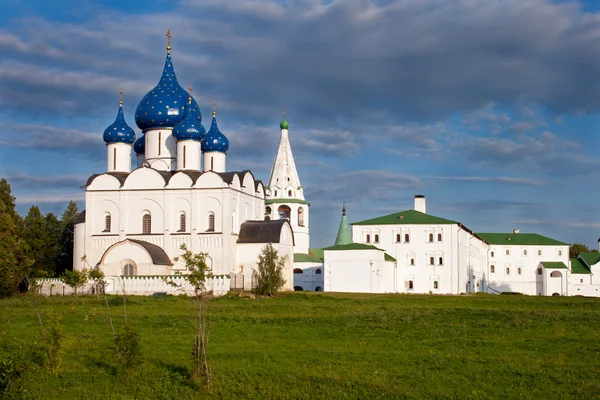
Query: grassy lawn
point(316, 345)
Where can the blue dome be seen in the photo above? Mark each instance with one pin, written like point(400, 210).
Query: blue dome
point(119, 131)
point(214, 139)
point(189, 128)
point(164, 106)
point(140, 145)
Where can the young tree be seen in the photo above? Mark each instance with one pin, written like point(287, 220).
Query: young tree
point(270, 271)
point(65, 256)
point(39, 241)
point(75, 279)
point(197, 272)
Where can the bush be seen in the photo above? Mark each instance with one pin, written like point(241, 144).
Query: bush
point(128, 348)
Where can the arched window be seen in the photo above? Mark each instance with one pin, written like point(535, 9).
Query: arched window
point(431, 237)
point(412, 261)
point(525, 252)
point(298, 288)
point(410, 285)
point(146, 224)
point(431, 261)
point(368, 238)
point(318, 271)
point(275, 194)
point(267, 218)
point(492, 254)
point(300, 216)
point(441, 261)
point(212, 163)
point(129, 270)
point(376, 238)
point(492, 269)
point(539, 252)
point(406, 238)
point(397, 238)
point(298, 271)
point(184, 156)
point(181, 222)
point(507, 271)
point(439, 237)
point(268, 210)
point(556, 274)
point(560, 252)
point(289, 193)
point(507, 252)
point(318, 289)
point(518, 271)
point(211, 222)
point(159, 140)
point(539, 271)
point(284, 212)
point(435, 284)
point(114, 158)
point(107, 222)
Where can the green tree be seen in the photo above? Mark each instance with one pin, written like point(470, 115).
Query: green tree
point(8, 199)
point(65, 256)
point(270, 271)
point(577, 248)
point(39, 241)
point(74, 278)
point(14, 262)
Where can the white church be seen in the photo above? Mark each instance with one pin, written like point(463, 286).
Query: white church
point(181, 193)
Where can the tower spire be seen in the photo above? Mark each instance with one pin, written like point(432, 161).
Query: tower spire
point(343, 236)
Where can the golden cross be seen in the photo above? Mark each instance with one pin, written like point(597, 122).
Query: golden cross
point(214, 104)
point(284, 112)
point(190, 88)
point(121, 97)
point(169, 37)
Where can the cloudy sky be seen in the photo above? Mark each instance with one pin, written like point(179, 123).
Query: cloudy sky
point(491, 108)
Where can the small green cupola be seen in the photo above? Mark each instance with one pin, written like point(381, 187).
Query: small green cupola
point(284, 124)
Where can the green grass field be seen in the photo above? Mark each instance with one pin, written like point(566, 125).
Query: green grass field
point(315, 345)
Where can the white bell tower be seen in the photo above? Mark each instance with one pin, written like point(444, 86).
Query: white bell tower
point(285, 195)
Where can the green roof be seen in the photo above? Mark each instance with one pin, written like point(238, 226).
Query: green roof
point(408, 217)
point(553, 265)
point(590, 258)
point(353, 246)
point(522, 239)
point(579, 267)
point(387, 257)
point(285, 200)
point(314, 255)
point(343, 236)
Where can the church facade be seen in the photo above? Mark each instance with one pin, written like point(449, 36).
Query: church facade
point(181, 194)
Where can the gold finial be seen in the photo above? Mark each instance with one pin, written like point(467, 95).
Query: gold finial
point(284, 112)
point(169, 37)
point(121, 97)
point(190, 89)
point(214, 104)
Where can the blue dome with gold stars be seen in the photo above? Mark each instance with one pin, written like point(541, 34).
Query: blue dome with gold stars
point(165, 105)
point(189, 128)
point(214, 139)
point(119, 131)
point(140, 145)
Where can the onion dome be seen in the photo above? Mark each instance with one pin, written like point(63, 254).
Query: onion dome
point(119, 131)
point(284, 124)
point(214, 139)
point(165, 105)
point(140, 145)
point(190, 128)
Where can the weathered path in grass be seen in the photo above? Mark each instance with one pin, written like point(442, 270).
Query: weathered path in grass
point(306, 346)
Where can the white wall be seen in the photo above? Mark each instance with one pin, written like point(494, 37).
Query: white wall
point(214, 161)
point(118, 157)
point(188, 155)
point(301, 233)
point(360, 271)
point(528, 259)
point(161, 149)
point(312, 276)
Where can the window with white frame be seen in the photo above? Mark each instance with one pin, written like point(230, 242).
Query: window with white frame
point(439, 237)
point(440, 260)
point(406, 238)
point(431, 260)
point(430, 238)
point(107, 223)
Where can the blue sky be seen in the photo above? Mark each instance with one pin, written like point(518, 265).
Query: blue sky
point(488, 107)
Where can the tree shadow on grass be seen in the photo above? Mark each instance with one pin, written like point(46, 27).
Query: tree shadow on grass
point(181, 373)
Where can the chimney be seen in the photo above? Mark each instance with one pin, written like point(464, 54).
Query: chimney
point(420, 203)
point(516, 230)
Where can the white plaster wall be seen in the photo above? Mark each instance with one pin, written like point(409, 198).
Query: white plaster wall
point(309, 279)
point(555, 284)
point(118, 157)
point(78, 246)
point(301, 233)
point(359, 271)
point(161, 149)
point(527, 281)
point(140, 158)
point(192, 155)
point(587, 290)
point(215, 159)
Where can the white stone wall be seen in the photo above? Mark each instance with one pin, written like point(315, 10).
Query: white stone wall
point(527, 258)
point(359, 271)
point(188, 155)
point(301, 231)
point(161, 149)
point(312, 276)
point(214, 161)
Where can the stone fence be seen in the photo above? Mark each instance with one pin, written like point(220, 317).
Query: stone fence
point(136, 285)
